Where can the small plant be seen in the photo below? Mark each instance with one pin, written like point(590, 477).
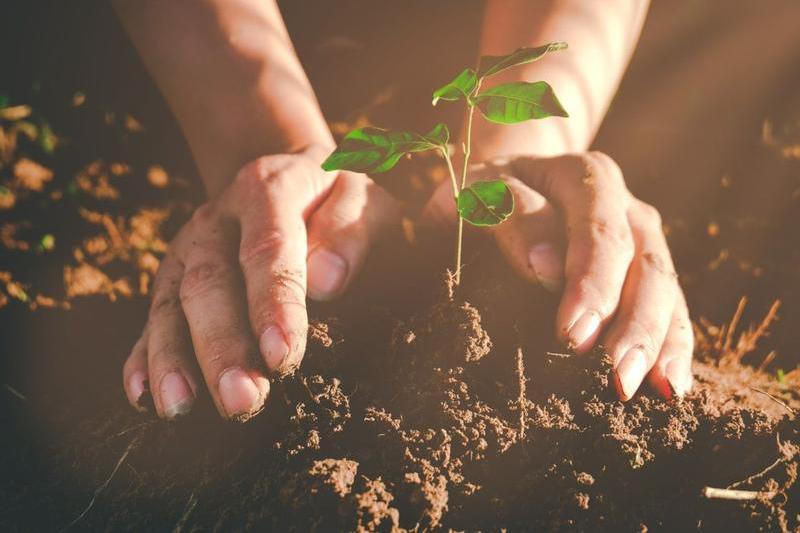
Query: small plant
point(483, 203)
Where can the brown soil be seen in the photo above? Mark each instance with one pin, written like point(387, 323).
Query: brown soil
point(458, 417)
point(412, 409)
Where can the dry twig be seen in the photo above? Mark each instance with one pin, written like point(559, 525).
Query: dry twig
point(713, 493)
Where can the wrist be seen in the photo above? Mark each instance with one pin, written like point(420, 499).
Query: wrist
point(222, 153)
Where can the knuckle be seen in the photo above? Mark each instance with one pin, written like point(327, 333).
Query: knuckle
point(274, 173)
point(287, 289)
point(649, 215)
point(597, 297)
point(202, 277)
point(607, 167)
point(204, 215)
point(267, 246)
point(167, 353)
point(654, 262)
point(612, 234)
point(289, 286)
point(165, 303)
point(645, 334)
point(222, 345)
point(606, 161)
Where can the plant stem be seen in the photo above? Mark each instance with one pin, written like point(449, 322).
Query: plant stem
point(451, 170)
point(467, 152)
point(468, 140)
point(467, 146)
point(454, 183)
point(458, 250)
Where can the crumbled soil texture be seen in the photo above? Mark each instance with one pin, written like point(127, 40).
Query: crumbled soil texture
point(411, 410)
point(461, 416)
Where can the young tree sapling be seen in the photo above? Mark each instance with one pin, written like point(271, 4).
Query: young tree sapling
point(483, 203)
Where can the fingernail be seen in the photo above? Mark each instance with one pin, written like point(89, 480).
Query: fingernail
point(240, 395)
point(679, 375)
point(630, 372)
point(545, 261)
point(326, 273)
point(273, 347)
point(176, 395)
point(136, 389)
point(583, 329)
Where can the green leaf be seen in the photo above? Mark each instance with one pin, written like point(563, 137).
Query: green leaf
point(519, 101)
point(490, 65)
point(485, 203)
point(461, 87)
point(439, 135)
point(4, 101)
point(781, 375)
point(374, 150)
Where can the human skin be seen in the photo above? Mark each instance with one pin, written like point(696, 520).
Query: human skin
point(231, 291)
point(609, 252)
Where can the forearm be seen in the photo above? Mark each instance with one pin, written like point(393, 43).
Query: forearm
point(228, 71)
point(601, 38)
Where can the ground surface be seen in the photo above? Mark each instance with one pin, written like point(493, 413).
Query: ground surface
point(412, 409)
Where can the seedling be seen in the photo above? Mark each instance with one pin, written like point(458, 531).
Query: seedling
point(483, 203)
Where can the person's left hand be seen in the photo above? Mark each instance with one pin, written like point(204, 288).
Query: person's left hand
point(576, 225)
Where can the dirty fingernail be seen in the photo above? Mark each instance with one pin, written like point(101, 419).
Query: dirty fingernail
point(679, 374)
point(583, 329)
point(326, 274)
point(630, 372)
point(239, 394)
point(545, 261)
point(176, 395)
point(273, 347)
point(136, 388)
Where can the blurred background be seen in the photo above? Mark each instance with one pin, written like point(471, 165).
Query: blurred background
point(706, 126)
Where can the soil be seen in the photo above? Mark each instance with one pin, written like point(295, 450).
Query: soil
point(414, 408)
point(460, 416)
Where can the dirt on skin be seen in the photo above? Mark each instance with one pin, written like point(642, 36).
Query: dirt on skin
point(464, 420)
point(412, 410)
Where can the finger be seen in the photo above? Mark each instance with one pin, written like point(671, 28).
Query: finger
point(341, 230)
point(440, 210)
point(271, 204)
point(532, 238)
point(591, 193)
point(172, 372)
point(672, 372)
point(649, 297)
point(134, 373)
point(213, 300)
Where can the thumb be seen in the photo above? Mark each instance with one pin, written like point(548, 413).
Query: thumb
point(341, 231)
point(532, 238)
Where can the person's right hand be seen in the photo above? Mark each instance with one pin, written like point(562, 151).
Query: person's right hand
point(229, 300)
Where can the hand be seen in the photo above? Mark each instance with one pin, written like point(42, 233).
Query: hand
point(231, 290)
point(576, 224)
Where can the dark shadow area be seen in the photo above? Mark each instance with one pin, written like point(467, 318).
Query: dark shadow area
point(703, 133)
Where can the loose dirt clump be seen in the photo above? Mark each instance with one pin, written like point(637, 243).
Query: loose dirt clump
point(417, 406)
point(463, 422)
